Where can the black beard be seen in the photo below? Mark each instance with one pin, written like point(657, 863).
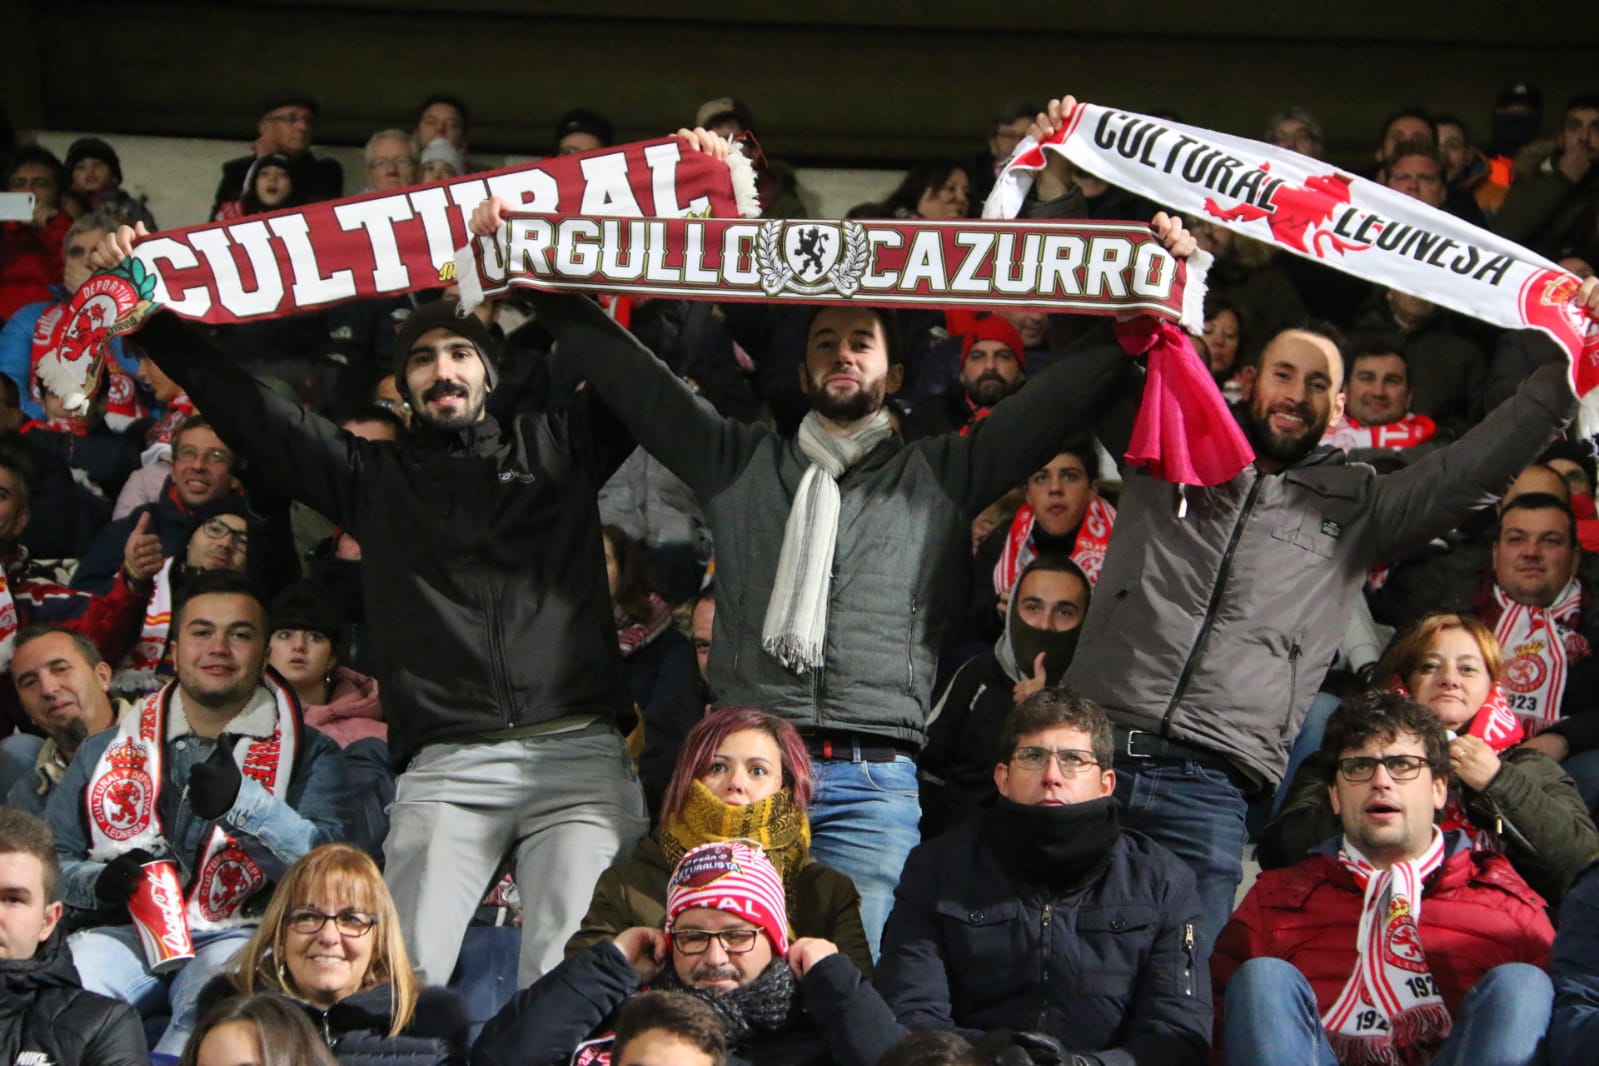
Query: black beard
point(862, 403)
point(1269, 445)
point(988, 389)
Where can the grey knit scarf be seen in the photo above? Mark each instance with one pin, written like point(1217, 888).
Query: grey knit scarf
point(795, 629)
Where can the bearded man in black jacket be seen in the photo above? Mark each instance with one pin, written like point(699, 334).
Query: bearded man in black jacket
point(488, 614)
point(44, 1010)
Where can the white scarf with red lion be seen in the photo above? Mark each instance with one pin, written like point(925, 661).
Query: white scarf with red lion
point(123, 797)
point(1390, 1001)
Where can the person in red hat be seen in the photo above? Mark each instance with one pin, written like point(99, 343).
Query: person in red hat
point(993, 365)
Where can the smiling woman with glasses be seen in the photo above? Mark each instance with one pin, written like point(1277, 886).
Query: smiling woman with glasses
point(330, 941)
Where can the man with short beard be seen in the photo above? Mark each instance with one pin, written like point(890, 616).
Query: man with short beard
point(488, 612)
point(63, 684)
point(1231, 600)
point(837, 552)
point(725, 944)
point(993, 366)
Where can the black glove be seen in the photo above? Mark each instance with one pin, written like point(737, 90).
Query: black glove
point(121, 877)
point(214, 784)
point(1043, 1049)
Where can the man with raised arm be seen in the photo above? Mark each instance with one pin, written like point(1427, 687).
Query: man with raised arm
point(839, 552)
point(488, 613)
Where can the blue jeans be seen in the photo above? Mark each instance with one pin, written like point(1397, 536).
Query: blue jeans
point(1196, 809)
point(1272, 1017)
point(110, 961)
point(863, 822)
point(1265, 806)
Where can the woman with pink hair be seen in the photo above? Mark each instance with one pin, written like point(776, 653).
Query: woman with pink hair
point(743, 774)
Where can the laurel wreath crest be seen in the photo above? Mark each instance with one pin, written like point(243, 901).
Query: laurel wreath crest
point(844, 278)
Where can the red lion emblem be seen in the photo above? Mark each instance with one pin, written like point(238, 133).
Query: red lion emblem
point(1294, 212)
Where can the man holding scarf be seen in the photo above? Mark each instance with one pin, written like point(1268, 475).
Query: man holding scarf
point(837, 552)
point(484, 585)
point(216, 773)
point(1044, 919)
point(1397, 943)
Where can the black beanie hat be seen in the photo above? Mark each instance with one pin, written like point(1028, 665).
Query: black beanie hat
point(441, 314)
point(306, 604)
point(93, 148)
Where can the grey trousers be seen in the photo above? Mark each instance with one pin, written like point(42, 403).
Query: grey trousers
point(567, 804)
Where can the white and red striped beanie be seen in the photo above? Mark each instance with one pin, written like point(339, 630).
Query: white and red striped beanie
point(733, 876)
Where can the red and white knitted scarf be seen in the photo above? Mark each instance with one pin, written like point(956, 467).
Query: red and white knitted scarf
point(123, 801)
point(1390, 1004)
point(1407, 432)
point(1540, 644)
point(1088, 551)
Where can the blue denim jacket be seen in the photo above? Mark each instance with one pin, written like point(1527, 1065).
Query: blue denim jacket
point(272, 831)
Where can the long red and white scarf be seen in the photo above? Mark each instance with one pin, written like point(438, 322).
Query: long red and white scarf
point(1312, 209)
point(1540, 644)
point(377, 244)
point(123, 801)
point(1390, 1004)
point(1406, 432)
point(1088, 550)
point(145, 667)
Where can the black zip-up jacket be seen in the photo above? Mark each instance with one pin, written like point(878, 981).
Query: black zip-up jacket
point(44, 1010)
point(481, 560)
point(1108, 967)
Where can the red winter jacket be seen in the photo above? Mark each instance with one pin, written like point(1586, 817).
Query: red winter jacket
point(30, 261)
point(1476, 913)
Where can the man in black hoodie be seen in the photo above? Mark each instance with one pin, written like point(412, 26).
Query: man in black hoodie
point(44, 1012)
point(488, 614)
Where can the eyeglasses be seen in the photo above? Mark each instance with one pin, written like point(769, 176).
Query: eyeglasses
point(1359, 768)
point(1035, 760)
point(189, 453)
point(397, 406)
point(217, 529)
point(398, 161)
point(733, 941)
point(309, 922)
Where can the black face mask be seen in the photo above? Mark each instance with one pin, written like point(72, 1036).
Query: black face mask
point(1058, 649)
point(1513, 131)
point(1053, 846)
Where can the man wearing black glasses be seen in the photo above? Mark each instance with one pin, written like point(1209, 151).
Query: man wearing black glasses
point(1395, 941)
point(1044, 924)
point(725, 943)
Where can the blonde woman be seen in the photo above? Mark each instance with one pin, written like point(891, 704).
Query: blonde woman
point(330, 941)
